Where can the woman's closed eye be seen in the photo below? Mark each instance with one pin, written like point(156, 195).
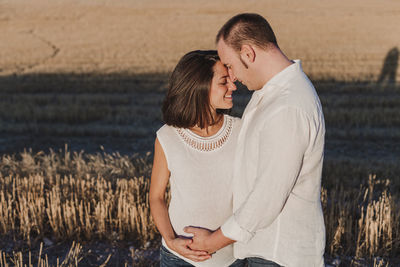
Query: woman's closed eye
point(223, 81)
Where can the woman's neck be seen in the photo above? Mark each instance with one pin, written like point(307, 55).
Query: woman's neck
point(209, 130)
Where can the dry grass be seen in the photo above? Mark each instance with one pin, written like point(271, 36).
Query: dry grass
point(79, 196)
point(72, 259)
point(363, 222)
point(75, 196)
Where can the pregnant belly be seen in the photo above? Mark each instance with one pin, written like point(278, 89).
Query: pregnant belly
point(205, 216)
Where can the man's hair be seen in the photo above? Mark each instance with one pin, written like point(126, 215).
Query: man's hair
point(247, 28)
point(187, 102)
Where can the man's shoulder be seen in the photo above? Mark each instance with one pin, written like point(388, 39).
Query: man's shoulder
point(300, 98)
point(298, 92)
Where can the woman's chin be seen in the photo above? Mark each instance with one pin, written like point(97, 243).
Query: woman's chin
point(228, 106)
point(228, 103)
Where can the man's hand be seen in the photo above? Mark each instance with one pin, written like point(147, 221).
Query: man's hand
point(181, 245)
point(200, 238)
point(207, 240)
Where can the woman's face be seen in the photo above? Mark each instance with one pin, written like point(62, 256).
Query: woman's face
point(221, 88)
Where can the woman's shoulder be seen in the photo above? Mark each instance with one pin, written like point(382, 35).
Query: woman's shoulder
point(233, 118)
point(165, 130)
point(167, 137)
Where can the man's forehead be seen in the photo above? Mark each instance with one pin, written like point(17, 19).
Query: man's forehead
point(222, 52)
point(224, 49)
point(221, 45)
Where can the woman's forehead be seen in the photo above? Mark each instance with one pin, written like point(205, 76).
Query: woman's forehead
point(220, 69)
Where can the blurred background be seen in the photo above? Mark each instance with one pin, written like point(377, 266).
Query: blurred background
point(91, 76)
point(94, 73)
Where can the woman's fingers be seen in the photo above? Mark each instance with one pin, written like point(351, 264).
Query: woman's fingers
point(197, 252)
point(198, 258)
point(194, 255)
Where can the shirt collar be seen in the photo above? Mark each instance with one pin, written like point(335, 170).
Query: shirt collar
point(280, 78)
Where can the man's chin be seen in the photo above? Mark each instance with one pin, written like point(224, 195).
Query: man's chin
point(250, 88)
point(253, 88)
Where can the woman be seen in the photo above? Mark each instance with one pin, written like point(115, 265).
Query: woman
point(194, 151)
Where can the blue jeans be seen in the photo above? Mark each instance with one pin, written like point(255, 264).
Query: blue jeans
point(258, 262)
point(238, 263)
point(167, 259)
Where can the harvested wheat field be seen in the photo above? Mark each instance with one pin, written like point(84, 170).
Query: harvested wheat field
point(81, 86)
point(340, 40)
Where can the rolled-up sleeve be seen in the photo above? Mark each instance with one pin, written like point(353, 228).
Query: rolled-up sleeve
point(281, 143)
point(234, 231)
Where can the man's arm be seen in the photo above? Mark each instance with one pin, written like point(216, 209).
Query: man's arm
point(282, 144)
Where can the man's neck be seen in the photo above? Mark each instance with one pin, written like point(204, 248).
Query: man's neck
point(275, 62)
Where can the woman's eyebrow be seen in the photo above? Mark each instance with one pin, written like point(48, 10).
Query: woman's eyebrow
point(224, 77)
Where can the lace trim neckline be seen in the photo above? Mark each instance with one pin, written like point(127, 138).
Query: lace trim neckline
point(208, 143)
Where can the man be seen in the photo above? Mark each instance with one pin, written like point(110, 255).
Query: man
point(277, 216)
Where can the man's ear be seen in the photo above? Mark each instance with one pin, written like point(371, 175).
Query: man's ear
point(247, 53)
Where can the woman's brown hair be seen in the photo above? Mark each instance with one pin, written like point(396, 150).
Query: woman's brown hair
point(187, 102)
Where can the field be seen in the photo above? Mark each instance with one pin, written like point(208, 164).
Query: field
point(81, 86)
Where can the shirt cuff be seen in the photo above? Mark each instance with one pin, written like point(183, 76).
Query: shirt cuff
point(234, 231)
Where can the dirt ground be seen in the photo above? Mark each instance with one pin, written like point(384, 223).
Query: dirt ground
point(343, 40)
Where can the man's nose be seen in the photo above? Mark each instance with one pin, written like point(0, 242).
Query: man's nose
point(231, 75)
point(231, 85)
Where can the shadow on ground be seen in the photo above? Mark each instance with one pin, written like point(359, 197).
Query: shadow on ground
point(121, 112)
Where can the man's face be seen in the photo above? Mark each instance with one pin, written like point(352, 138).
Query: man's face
point(236, 67)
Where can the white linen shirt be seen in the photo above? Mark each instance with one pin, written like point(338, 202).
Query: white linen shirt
point(277, 174)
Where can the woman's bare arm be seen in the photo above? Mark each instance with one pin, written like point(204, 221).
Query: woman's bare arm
point(158, 206)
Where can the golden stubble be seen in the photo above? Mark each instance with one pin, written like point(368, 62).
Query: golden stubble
point(78, 196)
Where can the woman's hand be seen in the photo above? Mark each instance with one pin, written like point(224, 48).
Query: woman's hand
point(181, 245)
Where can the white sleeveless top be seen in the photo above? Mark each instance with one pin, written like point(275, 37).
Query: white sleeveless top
point(201, 181)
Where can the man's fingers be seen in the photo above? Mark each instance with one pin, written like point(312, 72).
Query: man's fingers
point(188, 242)
point(190, 229)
